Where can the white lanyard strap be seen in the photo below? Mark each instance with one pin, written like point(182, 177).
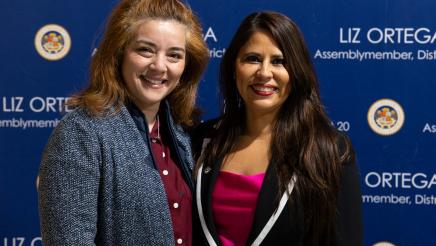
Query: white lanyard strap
point(277, 213)
point(268, 225)
point(206, 231)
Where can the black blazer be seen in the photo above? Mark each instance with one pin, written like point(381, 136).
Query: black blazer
point(288, 229)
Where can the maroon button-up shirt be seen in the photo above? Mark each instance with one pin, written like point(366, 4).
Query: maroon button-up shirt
point(178, 192)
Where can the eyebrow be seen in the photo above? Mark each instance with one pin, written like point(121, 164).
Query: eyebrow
point(141, 41)
point(258, 54)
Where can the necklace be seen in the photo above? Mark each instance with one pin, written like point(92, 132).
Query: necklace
point(158, 135)
point(158, 126)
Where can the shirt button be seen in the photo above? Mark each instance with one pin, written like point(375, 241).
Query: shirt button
point(165, 172)
point(179, 241)
point(175, 205)
point(153, 140)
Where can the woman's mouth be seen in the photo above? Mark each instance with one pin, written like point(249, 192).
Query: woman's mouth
point(264, 90)
point(152, 82)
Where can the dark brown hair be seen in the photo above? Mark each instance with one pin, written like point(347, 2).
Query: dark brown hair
point(303, 140)
point(107, 88)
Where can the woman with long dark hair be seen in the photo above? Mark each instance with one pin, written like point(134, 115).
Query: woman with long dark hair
point(272, 170)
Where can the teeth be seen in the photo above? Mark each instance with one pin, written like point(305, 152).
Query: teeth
point(155, 82)
point(152, 81)
point(264, 89)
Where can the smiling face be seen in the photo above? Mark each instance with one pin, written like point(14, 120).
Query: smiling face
point(261, 77)
point(154, 61)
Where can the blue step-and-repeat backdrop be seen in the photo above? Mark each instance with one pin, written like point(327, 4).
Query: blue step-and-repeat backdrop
point(376, 62)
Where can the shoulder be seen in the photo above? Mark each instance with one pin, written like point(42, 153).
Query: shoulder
point(349, 198)
point(79, 114)
point(345, 148)
point(78, 119)
point(80, 123)
point(205, 128)
point(82, 116)
point(75, 128)
point(200, 132)
point(343, 141)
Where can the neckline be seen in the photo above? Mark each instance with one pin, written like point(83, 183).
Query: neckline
point(243, 175)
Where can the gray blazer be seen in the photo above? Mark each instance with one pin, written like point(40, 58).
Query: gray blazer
point(99, 186)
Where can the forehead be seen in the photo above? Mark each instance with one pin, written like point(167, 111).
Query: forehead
point(261, 42)
point(160, 31)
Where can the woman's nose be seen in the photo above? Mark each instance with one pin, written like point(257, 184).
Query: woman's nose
point(264, 71)
point(159, 64)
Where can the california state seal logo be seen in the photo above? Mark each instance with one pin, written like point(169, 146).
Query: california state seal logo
point(383, 244)
point(385, 117)
point(52, 42)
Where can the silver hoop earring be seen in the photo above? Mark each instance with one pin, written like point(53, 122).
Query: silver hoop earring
point(239, 100)
point(224, 106)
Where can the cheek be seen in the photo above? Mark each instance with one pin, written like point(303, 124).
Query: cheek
point(239, 81)
point(239, 88)
point(128, 64)
point(129, 71)
point(287, 91)
point(125, 71)
point(177, 70)
point(284, 78)
point(241, 78)
point(285, 82)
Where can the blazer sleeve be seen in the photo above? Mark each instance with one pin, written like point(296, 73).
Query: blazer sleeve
point(350, 226)
point(68, 185)
point(199, 133)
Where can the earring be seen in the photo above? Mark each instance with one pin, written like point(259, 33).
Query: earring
point(224, 106)
point(238, 99)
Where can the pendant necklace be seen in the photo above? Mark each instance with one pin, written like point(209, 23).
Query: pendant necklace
point(158, 135)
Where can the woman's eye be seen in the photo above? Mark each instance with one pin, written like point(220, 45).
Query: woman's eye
point(278, 61)
point(145, 50)
point(174, 57)
point(252, 59)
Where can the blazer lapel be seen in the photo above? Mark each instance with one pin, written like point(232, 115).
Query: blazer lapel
point(266, 203)
point(209, 178)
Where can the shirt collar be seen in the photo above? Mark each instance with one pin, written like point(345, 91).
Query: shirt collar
point(137, 116)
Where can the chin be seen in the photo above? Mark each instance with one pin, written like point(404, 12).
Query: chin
point(262, 107)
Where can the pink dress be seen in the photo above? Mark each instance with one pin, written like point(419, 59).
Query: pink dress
point(234, 202)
